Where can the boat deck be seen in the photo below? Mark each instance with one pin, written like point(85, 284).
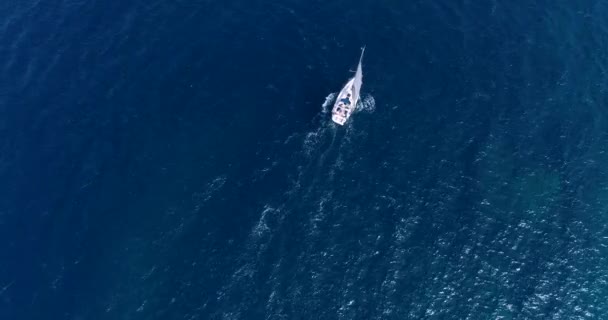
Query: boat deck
point(344, 105)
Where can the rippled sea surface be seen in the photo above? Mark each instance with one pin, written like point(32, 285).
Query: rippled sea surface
point(175, 160)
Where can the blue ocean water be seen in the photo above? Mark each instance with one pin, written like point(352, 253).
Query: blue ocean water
point(176, 160)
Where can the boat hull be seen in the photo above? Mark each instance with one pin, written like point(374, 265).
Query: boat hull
point(345, 104)
point(347, 99)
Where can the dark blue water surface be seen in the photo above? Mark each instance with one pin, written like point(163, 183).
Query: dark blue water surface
point(176, 160)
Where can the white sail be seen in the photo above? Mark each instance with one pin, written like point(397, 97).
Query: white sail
point(358, 77)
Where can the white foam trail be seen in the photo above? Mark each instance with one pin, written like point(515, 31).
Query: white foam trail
point(367, 104)
point(261, 228)
point(316, 148)
point(320, 215)
point(328, 100)
point(311, 140)
point(210, 189)
point(257, 243)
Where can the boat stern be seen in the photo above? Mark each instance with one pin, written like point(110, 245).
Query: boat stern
point(339, 119)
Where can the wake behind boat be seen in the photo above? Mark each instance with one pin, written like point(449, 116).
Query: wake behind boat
point(347, 99)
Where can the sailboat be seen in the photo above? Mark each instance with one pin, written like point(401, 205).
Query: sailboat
point(347, 99)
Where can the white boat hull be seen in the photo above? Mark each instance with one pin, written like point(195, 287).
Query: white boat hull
point(347, 99)
point(345, 104)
